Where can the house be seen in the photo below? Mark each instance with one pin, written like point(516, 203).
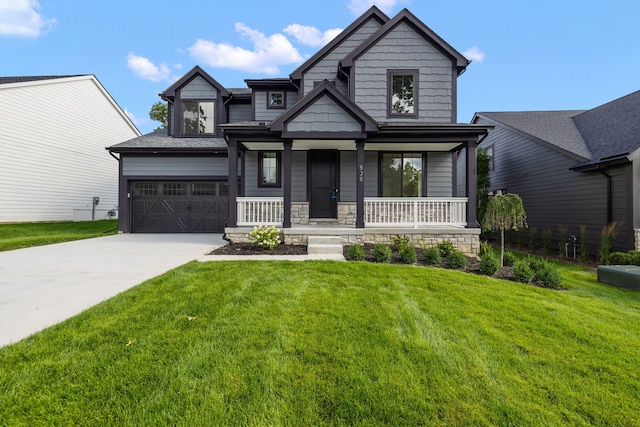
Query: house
point(360, 141)
point(571, 168)
point(53, 130)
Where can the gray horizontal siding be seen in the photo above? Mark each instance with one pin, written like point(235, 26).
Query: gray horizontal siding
point(349, 175)
point(552, 194)
point(461, 174)
point(403, 48)
point(175, 166)
point(198, 88)
point(267, 114)
point(439, 174)
point(328, 66)
point(240, 113)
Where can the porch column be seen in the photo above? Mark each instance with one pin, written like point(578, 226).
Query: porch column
point(233, 182)
point(286, 160)
point(471, 172)
point(360, 184)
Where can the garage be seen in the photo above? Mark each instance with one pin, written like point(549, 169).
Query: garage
point(179, 206)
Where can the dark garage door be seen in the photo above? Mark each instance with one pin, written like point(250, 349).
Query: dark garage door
point(179, 206)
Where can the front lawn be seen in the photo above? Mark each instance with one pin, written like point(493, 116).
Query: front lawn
point(24, 235)
point(331, 343)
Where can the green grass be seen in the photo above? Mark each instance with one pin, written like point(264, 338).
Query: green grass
point(24, 235)
point(329, 343)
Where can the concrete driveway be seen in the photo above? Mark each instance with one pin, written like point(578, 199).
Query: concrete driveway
point(44, 285)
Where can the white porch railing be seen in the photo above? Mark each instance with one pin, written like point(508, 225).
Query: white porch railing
point(260, 210)
point(415, 211)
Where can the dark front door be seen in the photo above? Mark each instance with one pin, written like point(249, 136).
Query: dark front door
point(323, 193)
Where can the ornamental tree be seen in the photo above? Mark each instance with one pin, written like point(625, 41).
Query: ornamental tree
point(504, 212)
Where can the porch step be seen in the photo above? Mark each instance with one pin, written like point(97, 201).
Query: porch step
point(324, 245)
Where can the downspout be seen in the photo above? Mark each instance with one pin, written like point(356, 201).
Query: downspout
point(609, 202)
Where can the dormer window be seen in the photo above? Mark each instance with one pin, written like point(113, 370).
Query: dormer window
point(275, 99)
point(198, 117)
point(402, 93)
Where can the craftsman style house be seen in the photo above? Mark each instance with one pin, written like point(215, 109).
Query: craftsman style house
point(359, 141)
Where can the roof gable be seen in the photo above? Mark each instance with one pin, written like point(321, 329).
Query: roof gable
point(372, 13)
point(324, 104)
point(170, 92)
point(405, 16)
point(612, 129)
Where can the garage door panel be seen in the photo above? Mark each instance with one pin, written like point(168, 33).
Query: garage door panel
point(179, 207)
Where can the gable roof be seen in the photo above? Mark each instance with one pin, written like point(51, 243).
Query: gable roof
point(372, 13)
point(553, 127)
point(344, 102)
point(160, 141)
point(612, 129)
point(170, 92)
point(407, 17)
point(23, 79)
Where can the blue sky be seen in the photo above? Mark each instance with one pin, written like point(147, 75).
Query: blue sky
point(527, 55)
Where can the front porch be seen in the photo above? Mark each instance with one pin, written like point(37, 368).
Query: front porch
point(425, 220)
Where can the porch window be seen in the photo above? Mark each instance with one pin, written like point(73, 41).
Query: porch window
point(269, 169)
point(198, 117)
point(402, 93)
point(401, 174)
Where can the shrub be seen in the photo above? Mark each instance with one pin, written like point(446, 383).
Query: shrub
point(546, 241)
point(432, 255)
point(522, 271)
point(355, 253)
point(408, 255)
point(583, 243)
point(485, 248)
point(489, 264)
point(266, 237)
point(446, 248)
point(400, 242)
point(549, 277)
point(381, 252)
point(536, 263)
point(635, 257)
point(509, 258)
point(608, 236)
point(457, 260)
point(620, 258)
point(533, 240)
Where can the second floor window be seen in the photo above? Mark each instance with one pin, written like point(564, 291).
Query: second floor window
point(276, 100)
point(198, 117)
point(403, 90)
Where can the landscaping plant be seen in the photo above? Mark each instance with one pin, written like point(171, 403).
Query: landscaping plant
point(546, 241)
point(509, 258)
point(562, 235)
point(382, 252)
point(504, 212)
point(489, 264)
point(522, 271)
point(457, 260)
point(408, 255)
point(267, 237)
point(608, 237)
point(432, 256)
point(355, 253)
point(446, 248)
point(533, 239)
point(583, 243)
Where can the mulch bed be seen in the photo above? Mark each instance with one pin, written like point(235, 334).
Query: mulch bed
point(251, 249)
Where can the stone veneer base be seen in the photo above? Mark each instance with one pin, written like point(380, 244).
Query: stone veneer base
point(466, 240)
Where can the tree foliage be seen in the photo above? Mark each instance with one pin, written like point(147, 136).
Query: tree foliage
point(159, 113)
point(483, 182)
point(504, 212)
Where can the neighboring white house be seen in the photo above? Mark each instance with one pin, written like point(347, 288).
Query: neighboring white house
point(53, 130)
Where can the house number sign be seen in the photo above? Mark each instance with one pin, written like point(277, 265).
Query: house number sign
point(360, 173)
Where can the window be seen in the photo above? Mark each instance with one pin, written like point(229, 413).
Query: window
point(276, 100)
point(402, 93)
point(145, 189)
point(198, 117)
point(401, 174)
point(174, 189)
point(269, 169)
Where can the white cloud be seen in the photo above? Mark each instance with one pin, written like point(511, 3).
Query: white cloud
point(474, 53)
point(268, 52)
point(145, 69)
point(311, 36)
point(21, 18)
point(357, 7)
point(136, 120)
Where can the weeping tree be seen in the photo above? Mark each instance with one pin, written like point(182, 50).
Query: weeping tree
point(504, 212)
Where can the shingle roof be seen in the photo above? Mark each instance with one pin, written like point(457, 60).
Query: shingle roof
point(160, 140)
point(612, 129)
point(555, 127)
point(22, 79)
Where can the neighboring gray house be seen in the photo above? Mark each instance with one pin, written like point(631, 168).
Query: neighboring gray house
point(53, 130)
point(360, 141)
point(571, 168)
